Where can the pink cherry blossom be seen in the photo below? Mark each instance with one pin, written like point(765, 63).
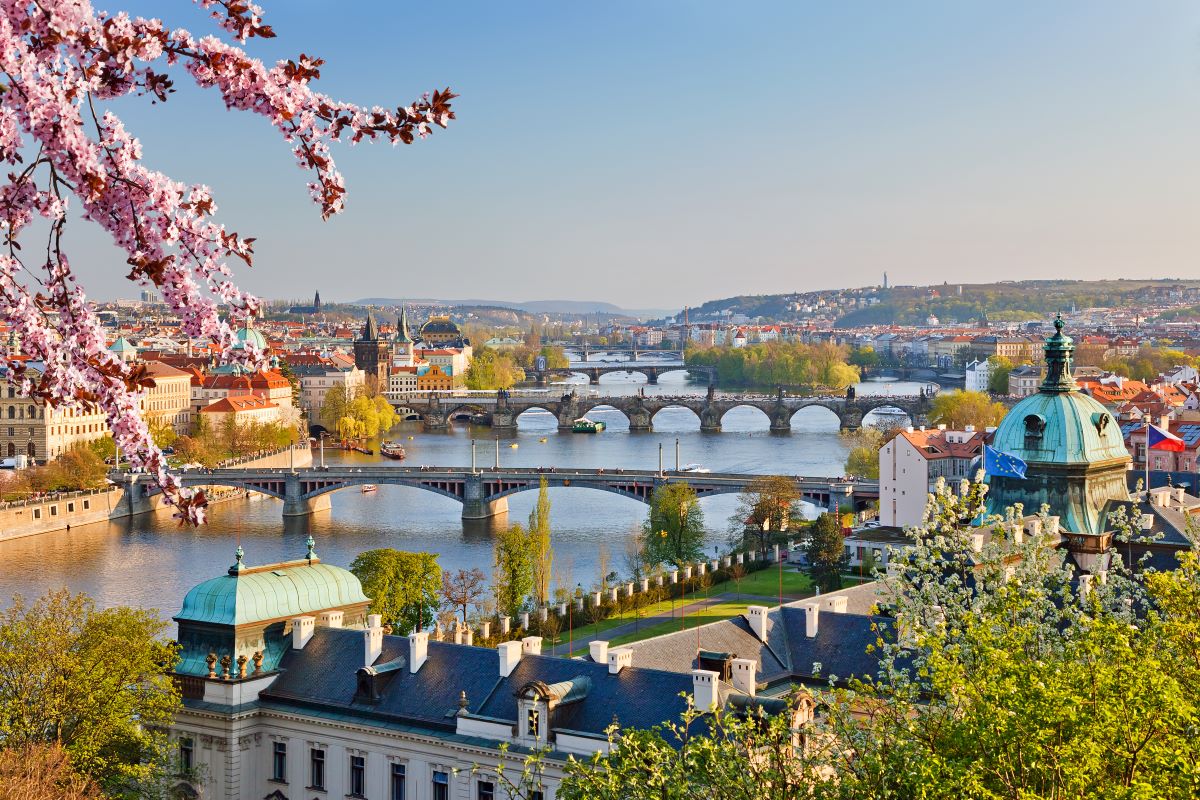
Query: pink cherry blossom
point(61, 60)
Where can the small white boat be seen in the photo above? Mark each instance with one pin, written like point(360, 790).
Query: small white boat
point(369, 487)
point(694, 468)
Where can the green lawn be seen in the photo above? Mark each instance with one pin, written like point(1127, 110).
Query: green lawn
point(764, 583)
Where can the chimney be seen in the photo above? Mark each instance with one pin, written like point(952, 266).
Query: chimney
point(510, 656)
point(302, 631)
point(330, 619)
point(1085, 585)
point(418, 650)
point(835, 603)
point(977, 542)
point(758, 621)
point(704, 689)
point(742, 675)
point(812, 612)
point(619, 659)
point(531, 646)
point(598, 651)
point(372, 640)
point(969, 428)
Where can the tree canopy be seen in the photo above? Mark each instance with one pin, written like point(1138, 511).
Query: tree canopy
point(97, 682)
point(825, 552)
point(403, 586)
point(956, 410)
point(779, 364)
point(512, 569)
point(674, 527)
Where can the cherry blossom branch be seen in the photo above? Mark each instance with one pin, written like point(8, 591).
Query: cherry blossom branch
point(57, 55)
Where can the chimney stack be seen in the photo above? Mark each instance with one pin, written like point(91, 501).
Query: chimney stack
point(302, 631)
point(510, 656)
point(372, 640)
point(704, 689)
point(330, 619)
point(531, 646)
point(812, 613)
point(742, 675)
point(835, 603)
point(418, 650)
point(619, 659)
point(598, 651)
point(758, 621)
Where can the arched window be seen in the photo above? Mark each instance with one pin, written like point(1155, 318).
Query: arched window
point(12, 412)
point(32, 451)
point(12, 449)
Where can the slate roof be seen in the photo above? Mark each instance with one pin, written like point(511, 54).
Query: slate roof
point(840, 646)
point(324, 674)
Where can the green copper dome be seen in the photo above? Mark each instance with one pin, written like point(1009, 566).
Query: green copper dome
point(1073, 447)
point(249, 334)
point(277, 591)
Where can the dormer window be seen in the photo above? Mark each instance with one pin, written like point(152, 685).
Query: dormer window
point(1035, 426)
point(532, 723)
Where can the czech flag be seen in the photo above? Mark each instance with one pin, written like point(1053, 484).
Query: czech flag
point(1158, 439)
point(1001, 464)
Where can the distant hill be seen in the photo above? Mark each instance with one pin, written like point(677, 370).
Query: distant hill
point(531, 306)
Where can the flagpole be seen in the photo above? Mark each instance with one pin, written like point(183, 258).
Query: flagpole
point(1147, 459)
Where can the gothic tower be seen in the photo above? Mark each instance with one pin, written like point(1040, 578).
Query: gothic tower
point(372, 354)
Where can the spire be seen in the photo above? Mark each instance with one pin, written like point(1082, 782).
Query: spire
point(370, 332)
point(238, 566)
point(1059, 348)
point(402, 335)
point(317, 300)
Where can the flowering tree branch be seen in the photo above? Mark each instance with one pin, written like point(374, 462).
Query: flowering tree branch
point(57, 59)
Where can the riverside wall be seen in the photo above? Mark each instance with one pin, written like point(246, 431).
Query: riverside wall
point(72, 509)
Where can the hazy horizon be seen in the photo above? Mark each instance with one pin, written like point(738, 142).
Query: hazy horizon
point(657, 155)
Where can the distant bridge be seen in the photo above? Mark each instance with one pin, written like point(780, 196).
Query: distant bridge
point(633, 352)
point(438, 410)
point(484, 492)
point(594, 369)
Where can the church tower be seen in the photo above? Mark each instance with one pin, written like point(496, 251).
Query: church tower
point(317, 302)
point(371, 353)
point(403, 355)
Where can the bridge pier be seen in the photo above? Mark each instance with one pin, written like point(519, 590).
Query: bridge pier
point(639, 419)
point(476, 505)
point(652, 377)
point(710, 419)
point(781, 419)
point(294, 502)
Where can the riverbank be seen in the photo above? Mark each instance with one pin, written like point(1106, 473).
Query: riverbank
point(68, 510)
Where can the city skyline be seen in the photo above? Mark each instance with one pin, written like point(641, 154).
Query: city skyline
point(657, 157)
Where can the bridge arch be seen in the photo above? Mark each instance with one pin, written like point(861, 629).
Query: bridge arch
point(816, 415)
point(746, 420)
point(536, 417)
point(602, 373)
point(587, 408)
point(656, 410)
point(458, 410)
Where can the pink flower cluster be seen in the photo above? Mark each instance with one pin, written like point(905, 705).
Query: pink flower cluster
point(61, 59)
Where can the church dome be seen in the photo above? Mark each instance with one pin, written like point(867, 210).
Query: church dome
point(249, 334)
point(1075, 455)
point(439, 326)
point(1060, 428)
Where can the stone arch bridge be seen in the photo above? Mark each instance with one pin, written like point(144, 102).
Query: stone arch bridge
point(594, 370)
point(502, 411)
point(484, 492)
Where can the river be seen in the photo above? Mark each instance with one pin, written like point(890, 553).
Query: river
point(150, 562)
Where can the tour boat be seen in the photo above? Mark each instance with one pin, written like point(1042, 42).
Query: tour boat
point(585, 425)
point(694, 468)
point(392, 450)
point(514, 445)
point(369, 487)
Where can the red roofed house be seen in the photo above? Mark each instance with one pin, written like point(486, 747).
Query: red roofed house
point(911, 463)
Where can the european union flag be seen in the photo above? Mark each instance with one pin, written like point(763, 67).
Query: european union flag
point(1001, 464)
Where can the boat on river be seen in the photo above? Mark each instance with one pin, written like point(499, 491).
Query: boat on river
point(585, 425)
point(392, 450)
point(369, 487)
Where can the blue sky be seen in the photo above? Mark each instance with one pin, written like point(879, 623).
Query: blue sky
point(656, 154)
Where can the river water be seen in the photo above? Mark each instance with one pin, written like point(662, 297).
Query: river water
point(149, 562)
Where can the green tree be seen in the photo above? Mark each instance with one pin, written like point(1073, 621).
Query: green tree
point(493, 369)
point(956, 410)
point(335, 406)
point(403, 586)
point(513, 567)
point(770, 503)
point(540, 544)
point(674, 527)
point(1001, 367)
point(864, 357)
point(97, 682)
point(825, 552)
point(863, 462)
